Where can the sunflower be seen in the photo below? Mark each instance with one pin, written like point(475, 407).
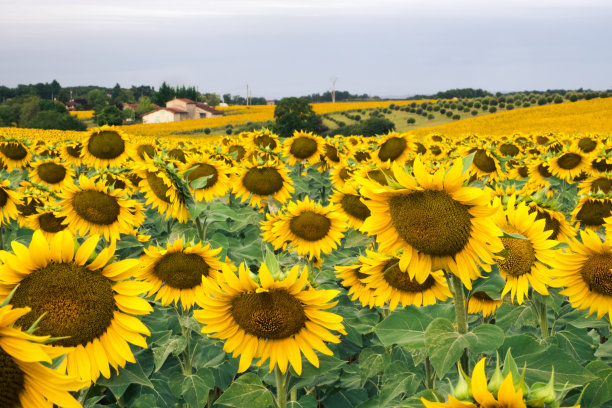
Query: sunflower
point(348, 200)
point(113, 178)
point(481, 302)
point(309, 228)
point(394, 147)
point(145, 150)
point(587, 144)
point(591, 211)
point(555, 221)
point(106, 147)
point(47, 220)
point(601, 183)
point(235, 150)
point(274, 319)
point(485, 164)
point(14, 154)
point(71, 152)
point(509, 149)
point(601, 164)
point(88, 303)
point(30, 199)
point(393, 285)
point(256, 182)
point(435, 221)
point(352, 278)
point(539, 170)
point(569, 163)
point(586, 273)
point(163, 189)
point(524, 262)
point(24, 381)
point(330, 158)
point(218, 183)
point(180, 272)
point(340, 174)
point(303, 147)
point(263, 139)
point(92, 208)
point(9, 199)
point(52, 173)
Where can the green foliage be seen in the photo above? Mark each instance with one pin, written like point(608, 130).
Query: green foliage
point(55, 120)
point(109, 115)
point(291, 114)
point(97, 99)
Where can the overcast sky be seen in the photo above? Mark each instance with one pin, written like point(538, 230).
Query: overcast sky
point(294, 47)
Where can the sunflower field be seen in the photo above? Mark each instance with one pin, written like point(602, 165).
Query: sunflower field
point(252, 271)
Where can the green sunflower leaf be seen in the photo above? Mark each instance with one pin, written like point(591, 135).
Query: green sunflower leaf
point(246, 391)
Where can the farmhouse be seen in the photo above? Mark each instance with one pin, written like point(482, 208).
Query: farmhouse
point(180, 109)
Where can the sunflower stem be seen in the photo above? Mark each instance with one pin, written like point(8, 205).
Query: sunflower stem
point(84, 395)
point(281, 388)
point(543, 319)
point(1, 240)
point(461, 317)
point(293, 395)
point(430, 374)
point(201, 229)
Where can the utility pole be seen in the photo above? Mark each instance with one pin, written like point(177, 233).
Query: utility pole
point(247, 95)
point(333, 92)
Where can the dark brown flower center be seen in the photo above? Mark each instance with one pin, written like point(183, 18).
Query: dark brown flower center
point(310, 226)
point(523, 171)
point(74, 151)
point(344, 174)
point(204, 170)
point(596, 274)
point(51, 173)
point(361, 156)
point(380, 176)
point(50, 223)
point(569, 161)
point(484, 162)
point(12, 381)
point(177, 154)
point(3, 197)
point(14, 150)
point(392, 148)
point(543, 170)
point(602, 184)
point(420, 148)
point(542, 140)
point(602, 165)
point(77, 302)
point(331, 153)
point(96, 207)
point(431, 222)
point(587, 145)
point(265, 140)
point(270, 315)
point(106, 145)
point(509, 149)
point(550, 223)
point(518, 256)
point(239, 150)
point(482, 296)
point(352, 205)
point(303, 147)
point(147, 149)
point(401, 280)
point(157, 185)
point(593, 212)
point(180, 270)
point(30, 207)
point(263, 181)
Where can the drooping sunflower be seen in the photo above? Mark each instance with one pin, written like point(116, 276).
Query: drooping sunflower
point(31, 197)
point(303, 147)
point(309, 228)
point(9, 199)
point(394, 147)
point(555, 221)
point(586, 273)
point(106, 147)
point(163, 188)
point(601, 183)
point(264, 138)
point(438, 223)
point(591, 211)
point(218, 183)
point(332, 157)
point(524, 262)
point(569, 163)
point(352, 278)
point(113, 179)
point(274, 319)
point(90, 303)
point(393, 285)
point(92, 208)
point(52, 173)
point(24, 381)
point(14, 154)
point(481, 302)
point(348, 200)
point(47, 220)
point(180, 272)
point(256, 182)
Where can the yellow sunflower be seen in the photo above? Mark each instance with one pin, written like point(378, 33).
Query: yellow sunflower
point(348, 200)
point(394, 147)
point(438, 223)
point(106, 147)
point(145, 149)
point(9, 199)
point(47, 220)
point(274, 319)
point(341, 173)
point(256, 182)
point(14, 154)
point(601, 183)
point(481, 302)
point(180, 272)
point(303, 147)
point(586, 273)
point(602, 164)
point(393, 285)
point(114, 179)
point(52, 173)
point(92, 208)
point(30, 199)
point(591, 211)
point(524, 262)
point(569, 163)
point(218, 183)
point(308, 228)
point(352, 278)
point(485, 164)
point(24, 381)
point(555, 220)
point(331, 157)
point(90, 303)
point(587, 144)
point(71, 152)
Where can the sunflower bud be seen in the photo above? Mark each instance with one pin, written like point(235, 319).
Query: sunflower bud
point(496, 380)
point(541, 395)
point(463, 390)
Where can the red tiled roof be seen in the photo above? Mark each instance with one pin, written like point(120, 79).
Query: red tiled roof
point(207, 108)
point(173, 110)
point(185, 100)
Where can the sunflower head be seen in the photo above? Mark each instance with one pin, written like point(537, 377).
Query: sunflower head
point(106, 147)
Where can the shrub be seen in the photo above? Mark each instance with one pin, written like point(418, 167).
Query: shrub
point(492, 109)
point(411, 121)
point(474, 112)
point(456, 117)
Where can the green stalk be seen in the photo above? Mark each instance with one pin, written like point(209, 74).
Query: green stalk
point(1, 240)
point(461, 318)
point(281, 388)
point(543, 320)
point(201, 229)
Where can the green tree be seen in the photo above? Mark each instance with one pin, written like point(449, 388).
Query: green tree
point(164, 94)
point(28, 110)
point(293, 114)
point(49, 119)
point(144, 106)
point(212, 99)
point(97, 99)
point(110, 115)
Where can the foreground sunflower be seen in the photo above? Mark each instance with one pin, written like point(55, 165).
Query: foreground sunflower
point(438, 223)
point(274, 319)
point(24, 381)
point(524, 262)
point(256, 182)
point(180, 272)
point(308, 228)
point(393, 285)
point(92, 208)
point(14, 154)
point(88, 303)
point(303, 147)
point(218, 182)
point(52, 173)
point(106, 147)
